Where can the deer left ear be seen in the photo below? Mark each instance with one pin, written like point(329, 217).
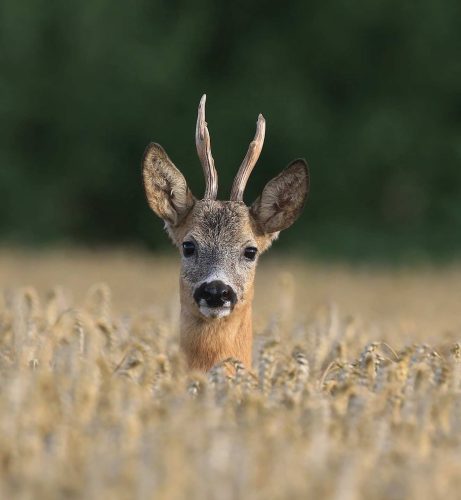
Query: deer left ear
point(166, 189)
point(283, 198)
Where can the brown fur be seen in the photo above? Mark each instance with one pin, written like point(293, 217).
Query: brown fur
point(220, 231)
point(206, 342)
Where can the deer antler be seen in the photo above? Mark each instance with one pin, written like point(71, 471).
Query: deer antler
point(249, 161)
point(202, 141)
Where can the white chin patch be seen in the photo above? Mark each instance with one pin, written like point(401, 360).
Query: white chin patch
point(215, 312)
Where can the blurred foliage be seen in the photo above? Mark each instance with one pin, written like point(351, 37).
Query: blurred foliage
point(368, 91)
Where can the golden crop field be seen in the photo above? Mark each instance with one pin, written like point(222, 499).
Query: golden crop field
point(355, 390)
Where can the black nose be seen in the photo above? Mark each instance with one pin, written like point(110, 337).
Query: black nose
point(215, 294)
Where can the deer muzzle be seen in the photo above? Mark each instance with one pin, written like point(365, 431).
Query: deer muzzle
point(215, 299)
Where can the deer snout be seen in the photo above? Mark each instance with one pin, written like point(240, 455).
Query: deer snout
point(215, 294)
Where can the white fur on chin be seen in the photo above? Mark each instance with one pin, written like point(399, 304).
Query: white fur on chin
point(215, 312)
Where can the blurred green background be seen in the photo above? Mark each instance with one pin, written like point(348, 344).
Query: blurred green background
point(368, 91)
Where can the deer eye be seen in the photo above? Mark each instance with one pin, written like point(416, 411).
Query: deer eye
point(250, 253)
point(188, 248)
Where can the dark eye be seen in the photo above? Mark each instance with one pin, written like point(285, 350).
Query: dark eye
point(188, 248)
point(250, 253)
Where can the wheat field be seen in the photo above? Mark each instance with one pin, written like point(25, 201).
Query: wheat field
point(355, 390)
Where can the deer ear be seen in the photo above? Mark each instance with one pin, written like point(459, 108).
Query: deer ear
point(282, 199)
point(166, 189)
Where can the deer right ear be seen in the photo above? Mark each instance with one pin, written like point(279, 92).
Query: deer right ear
point(166, 189)
point(282, 198)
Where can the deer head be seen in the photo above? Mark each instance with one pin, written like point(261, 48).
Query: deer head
point(220, 241)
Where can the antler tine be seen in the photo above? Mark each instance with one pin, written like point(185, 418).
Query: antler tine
point(202, 141)
point(249, 161)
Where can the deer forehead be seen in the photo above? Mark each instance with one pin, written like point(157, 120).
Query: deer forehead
point(220, 223)
point(215, 223)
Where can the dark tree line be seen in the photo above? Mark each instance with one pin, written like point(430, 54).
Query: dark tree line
point(368, 91)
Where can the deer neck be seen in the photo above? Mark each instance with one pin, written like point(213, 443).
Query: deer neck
point(207, 342)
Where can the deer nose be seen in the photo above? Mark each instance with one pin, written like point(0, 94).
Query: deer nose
point(215, 294)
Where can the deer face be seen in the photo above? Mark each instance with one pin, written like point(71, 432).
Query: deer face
point(220, 241)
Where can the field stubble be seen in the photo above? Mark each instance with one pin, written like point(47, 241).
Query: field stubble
point(355, 390)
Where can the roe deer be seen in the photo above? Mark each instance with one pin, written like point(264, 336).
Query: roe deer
point(220, 242)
